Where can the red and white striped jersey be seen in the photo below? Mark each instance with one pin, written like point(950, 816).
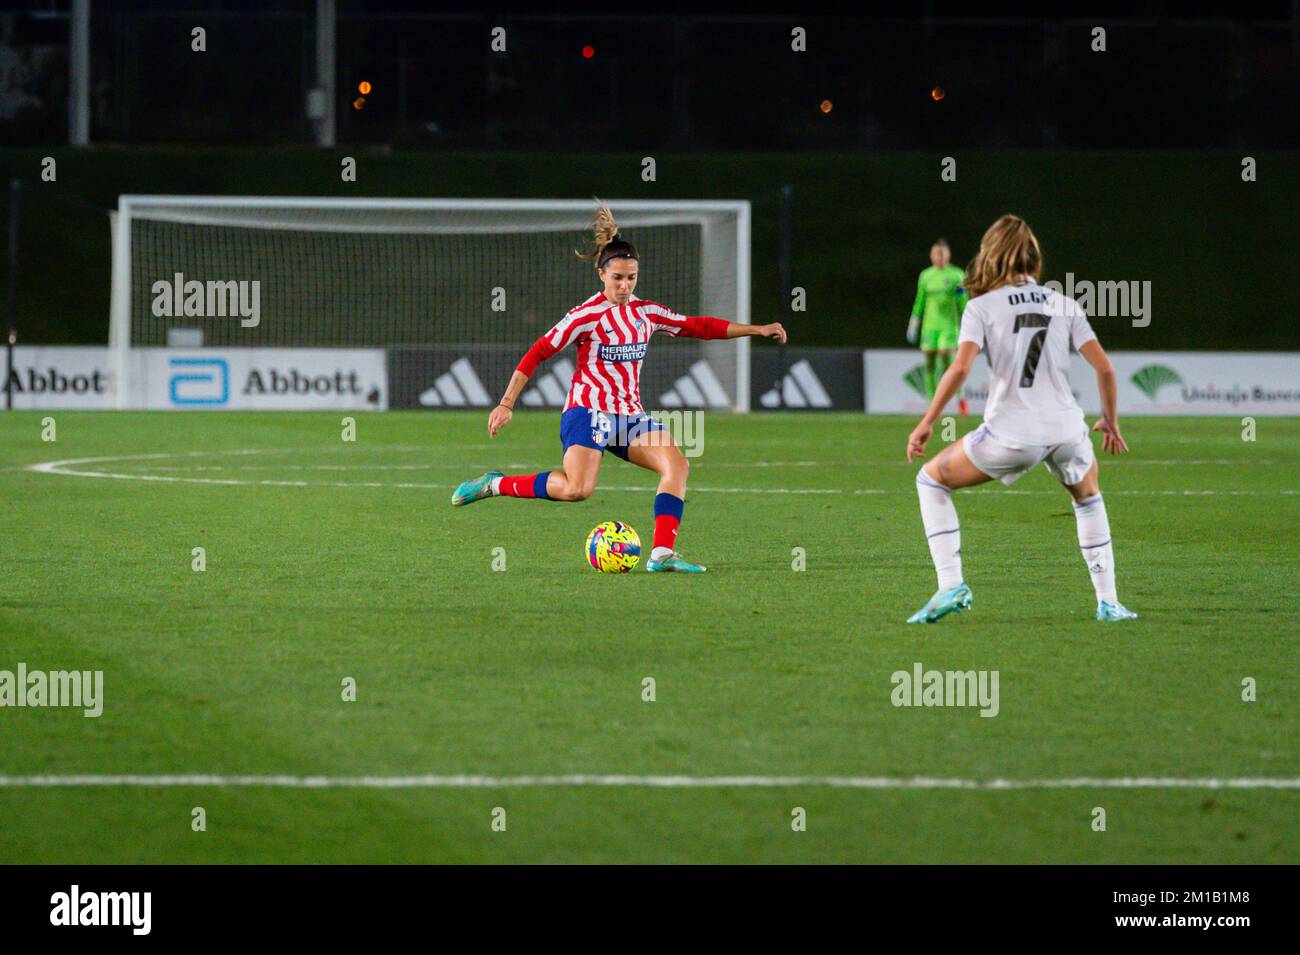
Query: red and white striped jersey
point(612, 342)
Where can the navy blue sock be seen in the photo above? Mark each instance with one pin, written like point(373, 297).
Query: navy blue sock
point(539, 485)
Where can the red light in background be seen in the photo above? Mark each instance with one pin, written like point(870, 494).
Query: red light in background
point(588, 52)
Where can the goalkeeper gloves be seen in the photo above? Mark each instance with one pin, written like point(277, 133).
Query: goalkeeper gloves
point(913, 329)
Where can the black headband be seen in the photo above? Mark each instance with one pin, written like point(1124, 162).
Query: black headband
point(626, 253)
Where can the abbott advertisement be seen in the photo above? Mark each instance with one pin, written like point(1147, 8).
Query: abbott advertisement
point(289, 379)
point(213, 379)
point(1150, 383)
point(280, 379)
point(59, 376)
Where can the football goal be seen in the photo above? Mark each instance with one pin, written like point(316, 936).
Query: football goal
point(454, 290)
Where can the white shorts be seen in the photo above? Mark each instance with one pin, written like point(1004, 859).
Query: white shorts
point(1008, 461)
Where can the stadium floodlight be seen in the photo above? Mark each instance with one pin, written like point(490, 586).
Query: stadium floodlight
point(427, 279)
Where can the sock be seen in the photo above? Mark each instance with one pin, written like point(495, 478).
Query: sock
point(931, 379)
point(668, 515)
point(942, 529)
point(1094, 541)
point(522, 485)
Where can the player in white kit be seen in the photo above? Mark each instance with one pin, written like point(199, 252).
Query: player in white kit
point(1026, 333)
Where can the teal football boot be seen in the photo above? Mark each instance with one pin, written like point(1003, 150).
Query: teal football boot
point(675, 564)
point(943, 603)
point(1108, 611)
point(475, 490)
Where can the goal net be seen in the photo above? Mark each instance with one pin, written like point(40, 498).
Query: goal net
point(454, 290)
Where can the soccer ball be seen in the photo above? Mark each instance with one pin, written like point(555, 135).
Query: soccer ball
point(613, 548)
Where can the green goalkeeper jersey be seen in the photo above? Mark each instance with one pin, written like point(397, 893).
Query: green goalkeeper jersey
point(940, 299)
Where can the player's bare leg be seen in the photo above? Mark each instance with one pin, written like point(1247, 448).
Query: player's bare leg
point(935, 482)
point(657, 451)
point(1095, 543)
point(954, 468)
point(1090, 486)
point(575, 482)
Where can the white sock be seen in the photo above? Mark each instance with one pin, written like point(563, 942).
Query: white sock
point(495, 485)
point(942, 529)
point(661, 553)
point(1094, 541)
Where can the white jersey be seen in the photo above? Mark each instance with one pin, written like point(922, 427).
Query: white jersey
point(1027, 333)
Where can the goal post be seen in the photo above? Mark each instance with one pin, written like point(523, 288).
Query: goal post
point(458, 287)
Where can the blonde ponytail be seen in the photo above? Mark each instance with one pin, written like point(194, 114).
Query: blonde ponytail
point(605, 229)
point(607, 244)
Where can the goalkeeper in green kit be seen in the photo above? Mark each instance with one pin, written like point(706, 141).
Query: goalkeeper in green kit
point(936, 315)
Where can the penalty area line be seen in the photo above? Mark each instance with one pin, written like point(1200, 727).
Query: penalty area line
point(651, 782)
point(71, 467)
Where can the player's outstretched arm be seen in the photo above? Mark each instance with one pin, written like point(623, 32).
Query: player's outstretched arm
point(707, 327)
point(774, 330)
point(542, 349)
point(1108, 424)
point(504, 411)
point(948, 386)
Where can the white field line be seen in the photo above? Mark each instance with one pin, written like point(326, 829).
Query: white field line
point(521, 465)
point(425, 467)
point(71, 467)
point(652, 782)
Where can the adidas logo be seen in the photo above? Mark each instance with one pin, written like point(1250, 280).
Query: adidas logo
point(552, 387)
point(698, 388)
point(801, 389)
point(457, 387)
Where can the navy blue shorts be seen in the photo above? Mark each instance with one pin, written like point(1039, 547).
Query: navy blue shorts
point(602, 431)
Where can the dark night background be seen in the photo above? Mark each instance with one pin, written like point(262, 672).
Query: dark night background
point(1173, 76)
point(1127, 161)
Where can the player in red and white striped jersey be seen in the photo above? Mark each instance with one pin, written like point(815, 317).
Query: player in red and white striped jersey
point(611, 341)
point(611, 331)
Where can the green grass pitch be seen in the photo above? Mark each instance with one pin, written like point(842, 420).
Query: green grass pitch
point(327, 559)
